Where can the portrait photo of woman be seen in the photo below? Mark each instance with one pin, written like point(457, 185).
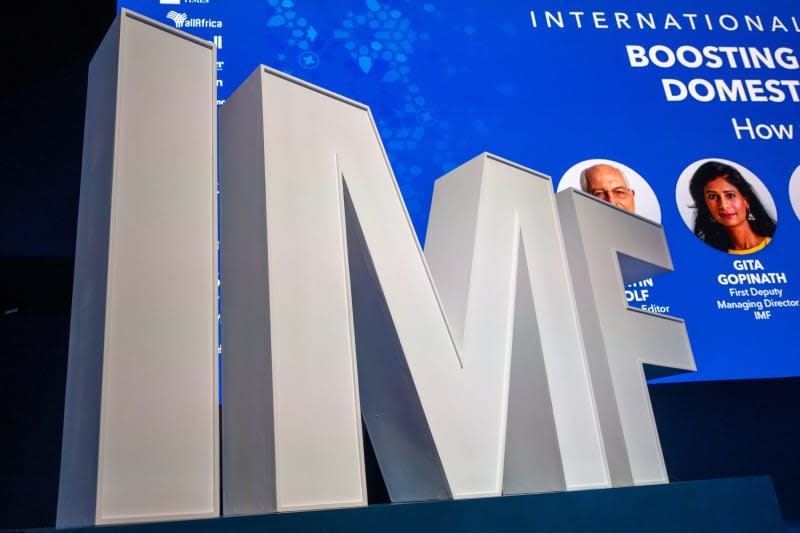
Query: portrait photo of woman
point(728, 213)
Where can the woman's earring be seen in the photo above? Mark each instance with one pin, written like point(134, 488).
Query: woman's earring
point(750, 216)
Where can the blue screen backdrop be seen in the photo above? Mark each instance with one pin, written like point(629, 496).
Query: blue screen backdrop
point(550, 85)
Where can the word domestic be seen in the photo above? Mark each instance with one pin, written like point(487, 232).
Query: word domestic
point(623, 20)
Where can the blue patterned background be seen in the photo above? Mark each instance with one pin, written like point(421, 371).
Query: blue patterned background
point(447, 80)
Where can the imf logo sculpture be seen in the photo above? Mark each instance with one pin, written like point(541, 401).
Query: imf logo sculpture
point(502, 360)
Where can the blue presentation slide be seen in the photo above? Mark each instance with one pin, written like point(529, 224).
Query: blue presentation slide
point(683, 112)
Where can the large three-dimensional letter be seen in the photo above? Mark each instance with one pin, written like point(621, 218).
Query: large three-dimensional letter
point(609, 247)
point(140, 418)
point(495, 367)
point(495, 250)
point(326, 291)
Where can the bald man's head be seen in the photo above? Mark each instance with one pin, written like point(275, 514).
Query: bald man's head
point(608, 183)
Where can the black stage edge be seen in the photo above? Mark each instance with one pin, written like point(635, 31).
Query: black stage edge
point(729, 505)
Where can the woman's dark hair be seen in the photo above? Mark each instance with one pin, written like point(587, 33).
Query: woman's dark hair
point(705, 227)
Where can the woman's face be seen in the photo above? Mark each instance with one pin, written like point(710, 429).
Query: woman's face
point(726, 203)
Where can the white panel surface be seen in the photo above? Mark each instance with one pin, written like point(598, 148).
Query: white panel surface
point(248, 456)
point(156, 453)
point(312, 415)
point(495, 251)
point(609, 247)
point(322, 152)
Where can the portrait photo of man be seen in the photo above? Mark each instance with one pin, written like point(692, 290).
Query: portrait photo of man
point(614, 183)
point(608, 183)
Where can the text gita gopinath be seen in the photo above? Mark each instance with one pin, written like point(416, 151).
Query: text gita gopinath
point(751, 288)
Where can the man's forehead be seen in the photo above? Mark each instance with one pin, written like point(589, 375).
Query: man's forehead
point(606, 173)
